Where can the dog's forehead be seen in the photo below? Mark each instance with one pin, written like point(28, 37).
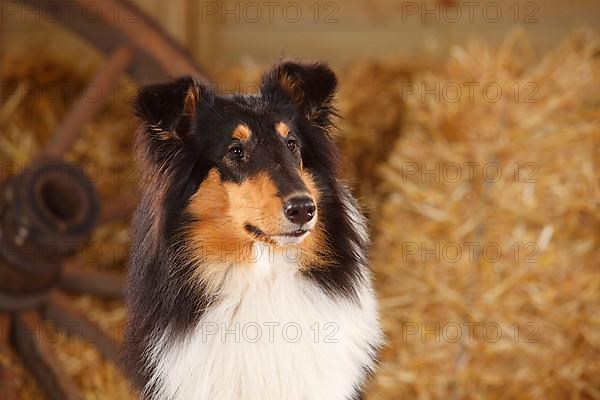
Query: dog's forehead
point(250, 106)
point(247, 119)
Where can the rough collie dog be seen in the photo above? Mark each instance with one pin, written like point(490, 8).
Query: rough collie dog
point(249, 276)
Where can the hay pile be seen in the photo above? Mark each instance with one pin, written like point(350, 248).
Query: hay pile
point(490, 285)
point(370, 120)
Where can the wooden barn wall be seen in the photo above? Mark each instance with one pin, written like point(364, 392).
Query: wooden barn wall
point(222, 33)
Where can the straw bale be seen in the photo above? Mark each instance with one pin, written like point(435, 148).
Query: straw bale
point(542, 294)
point(96, 378)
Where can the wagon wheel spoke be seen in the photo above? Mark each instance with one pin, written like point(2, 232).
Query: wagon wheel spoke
point(77, 278)
point(2, 48)
point(7, 377)
point(36, 352)
point(72, 321)
point(118, 208)
point(149, 55)
point(90, 103)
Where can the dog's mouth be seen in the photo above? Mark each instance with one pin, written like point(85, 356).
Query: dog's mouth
point(297, 233)
point(291, 237)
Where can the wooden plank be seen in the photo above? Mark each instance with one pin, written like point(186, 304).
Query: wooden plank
point(203, 36)
point(7, 377)
point(84, 108)
point(119, 208)
point(172, 16)
point(77, 278)
point(72, 321)
point(341, 32)
point(4, 328)
point(2, 45)
point(36, 352)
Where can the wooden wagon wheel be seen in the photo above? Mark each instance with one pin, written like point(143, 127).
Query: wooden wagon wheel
point(47, 213)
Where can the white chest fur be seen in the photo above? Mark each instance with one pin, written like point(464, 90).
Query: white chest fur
point(273, 335)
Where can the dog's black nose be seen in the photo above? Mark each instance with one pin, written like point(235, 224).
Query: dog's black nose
point(299, 210)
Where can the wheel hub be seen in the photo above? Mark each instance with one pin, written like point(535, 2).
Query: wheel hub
point(46, 213)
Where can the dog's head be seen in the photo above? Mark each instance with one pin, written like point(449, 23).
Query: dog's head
point(244, 168)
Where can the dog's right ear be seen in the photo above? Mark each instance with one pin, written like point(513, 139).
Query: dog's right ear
point(168, 109)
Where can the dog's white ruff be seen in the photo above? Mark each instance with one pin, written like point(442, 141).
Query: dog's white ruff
point(326, 362)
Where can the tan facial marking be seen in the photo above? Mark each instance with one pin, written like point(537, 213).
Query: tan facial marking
point(222, 208)
point(242, 132)
point(255, 201)
point(282, 129)
point(216, 239)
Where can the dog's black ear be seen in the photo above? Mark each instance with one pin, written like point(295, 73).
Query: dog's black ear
point(168, 109)
point(309, 87)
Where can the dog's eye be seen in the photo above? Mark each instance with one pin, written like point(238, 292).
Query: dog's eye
point(292, 145)
point(236, 152)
